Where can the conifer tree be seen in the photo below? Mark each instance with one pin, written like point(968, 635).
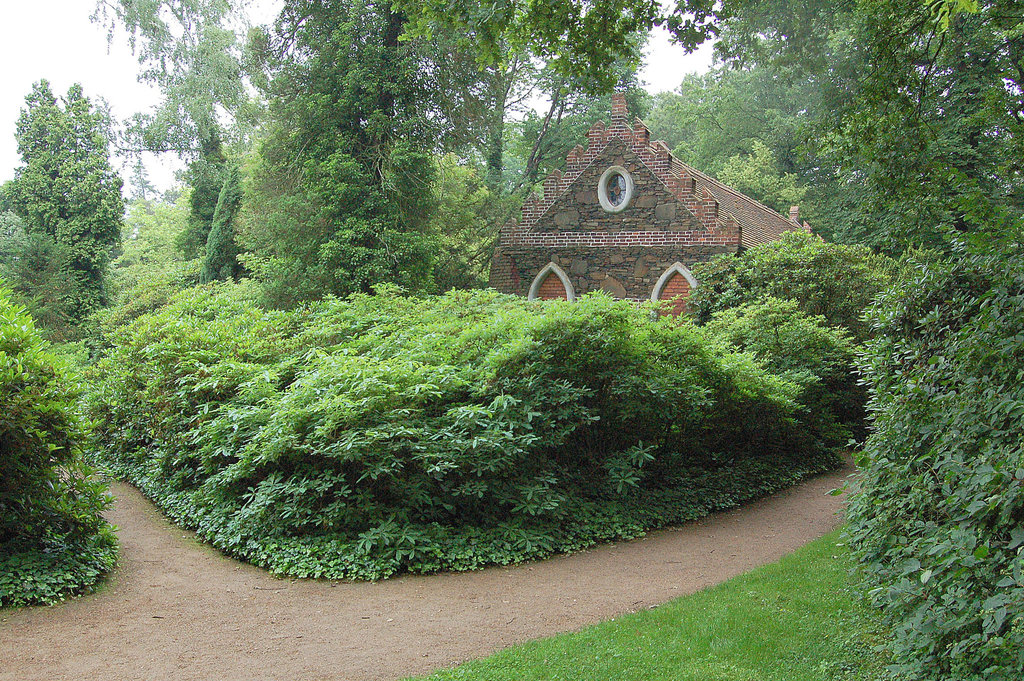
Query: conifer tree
point(221, 251)
point(67, 189)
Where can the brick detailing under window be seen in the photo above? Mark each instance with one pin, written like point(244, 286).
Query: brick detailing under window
point(676, 290)
point(552, 288)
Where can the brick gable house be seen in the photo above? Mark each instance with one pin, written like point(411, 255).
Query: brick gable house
point(628, 218)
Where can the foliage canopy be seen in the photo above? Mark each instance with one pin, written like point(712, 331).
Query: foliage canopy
point(832, 280)
point(67, 190)
point(937, 525)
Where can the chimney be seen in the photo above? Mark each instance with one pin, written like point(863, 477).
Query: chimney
point(794, 214)
point(619, 109)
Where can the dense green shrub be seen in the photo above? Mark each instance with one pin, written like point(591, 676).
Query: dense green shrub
point(831, 280)
point(53, 541)
point(806, 351)
point(939, 524)
point(360, 437)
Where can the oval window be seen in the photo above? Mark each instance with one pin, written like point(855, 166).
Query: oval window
point(615, 189)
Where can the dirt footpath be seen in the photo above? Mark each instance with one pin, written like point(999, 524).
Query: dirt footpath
point(175, 609)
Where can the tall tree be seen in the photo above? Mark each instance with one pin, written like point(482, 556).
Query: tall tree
point(67, 189)
point(221, 261)
point(918, 135)
point(206, 175)
point(580, 40)
point(343, 191)
point(191, 51)
point(490, 71)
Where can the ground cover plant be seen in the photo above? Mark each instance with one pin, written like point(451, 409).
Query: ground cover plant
point(793, 620)
point(53, 541)
point(376, 434)
point(938, 525)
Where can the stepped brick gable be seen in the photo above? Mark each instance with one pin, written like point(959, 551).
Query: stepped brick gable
point(628, 218)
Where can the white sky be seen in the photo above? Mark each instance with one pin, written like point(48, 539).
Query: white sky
point(54, 39)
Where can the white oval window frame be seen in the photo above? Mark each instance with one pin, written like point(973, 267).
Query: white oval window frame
point(602, 189)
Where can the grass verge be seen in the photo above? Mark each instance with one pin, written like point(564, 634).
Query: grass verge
point(793, 620)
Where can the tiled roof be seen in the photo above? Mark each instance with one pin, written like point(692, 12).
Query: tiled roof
point(758, 223)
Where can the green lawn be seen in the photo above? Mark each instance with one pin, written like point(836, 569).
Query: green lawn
point(792, 620)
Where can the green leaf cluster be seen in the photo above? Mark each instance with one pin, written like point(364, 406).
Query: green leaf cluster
point(581, 40)
point(341, 195)
point(804, 349)
point(938, 526)
point(747, 128)
point(362, 437)
point(148, 251)
point(905, 115)
point(40, 272)
point(835, 281)
point(53, 541)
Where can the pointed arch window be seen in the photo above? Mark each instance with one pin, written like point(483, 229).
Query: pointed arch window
point(674, 286)
point(552, 283)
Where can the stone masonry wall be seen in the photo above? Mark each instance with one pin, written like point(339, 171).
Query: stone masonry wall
point(653, 208)
point(669, 219)
point(621, 272)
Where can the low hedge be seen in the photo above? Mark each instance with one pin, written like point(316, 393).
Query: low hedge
point(362, 437)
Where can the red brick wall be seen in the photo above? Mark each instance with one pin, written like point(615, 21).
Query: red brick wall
point(552, 288)
point(504, 275)
point(676, 290)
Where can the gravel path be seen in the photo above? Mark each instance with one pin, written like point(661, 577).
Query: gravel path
point(175, 609)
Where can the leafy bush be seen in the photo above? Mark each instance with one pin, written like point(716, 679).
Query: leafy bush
point(361, 437)
point(831, 280)
point(806, 351)
point(53, 541)
point(938, 525)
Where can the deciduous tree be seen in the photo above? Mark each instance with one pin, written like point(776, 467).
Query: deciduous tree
point(191, 51)
point(343, 191)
